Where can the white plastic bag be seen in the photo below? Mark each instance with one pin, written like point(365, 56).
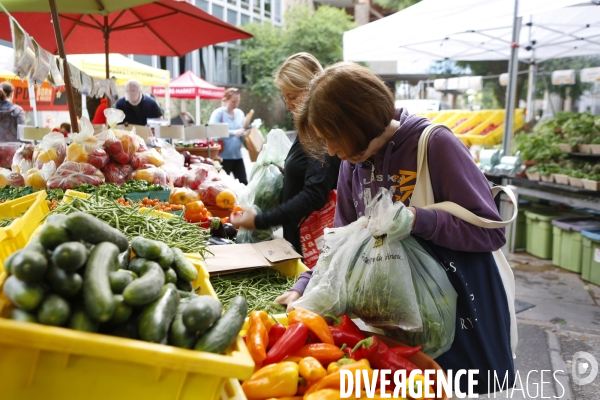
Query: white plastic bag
point(41, 68)
point(56, 77)
point(84, 142)
point(23, 59)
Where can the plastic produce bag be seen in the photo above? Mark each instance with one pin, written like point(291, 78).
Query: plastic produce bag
point(37, 178)
point(41, 68)
point(119, 145)
point(84, 143)
point(197, 175)
point(55, 78)
point(7, 153)
point(147, 157)
point(71, 174)
point(153, 175)
point(23, 159)
point(183, 196)
point(7, 177)
point(23, 59)
point(53, 148)
point(210, 190)
point(117, 173)
point(98, 158)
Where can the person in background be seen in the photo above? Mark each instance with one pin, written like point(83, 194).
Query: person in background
point(231, 153)
point(11, 115)
point(137, 106)
point(306, 181)
point(99, 117)
point(65, 129)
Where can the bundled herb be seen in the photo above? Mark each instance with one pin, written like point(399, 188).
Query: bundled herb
point(260, 287)
point(175, 232)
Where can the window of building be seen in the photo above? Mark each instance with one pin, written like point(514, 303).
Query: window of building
point(217, 11)
point(245, 19)
point(245, 4)
point(256, 6)
point(220, 73)
point(277, 10)
point(147, 60)
point(202, 4)
point(233, 2)
point(232, 17)
point(268, 8)
point(233, 69)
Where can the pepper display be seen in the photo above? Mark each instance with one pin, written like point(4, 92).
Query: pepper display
point(341, 336)
point(276, 380)
point(380, 356)
point(315, 323)
point(292, 340)
point(311, 369)
point(257, 337)
point(406, 351)
point(275, 334)
point(332, 381)
point(323, 352)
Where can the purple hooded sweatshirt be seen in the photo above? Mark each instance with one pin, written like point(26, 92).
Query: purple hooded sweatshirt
point(454, 177)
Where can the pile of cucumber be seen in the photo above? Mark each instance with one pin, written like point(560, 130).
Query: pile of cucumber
point(77, 273)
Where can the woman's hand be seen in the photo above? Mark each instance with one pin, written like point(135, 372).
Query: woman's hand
point(414, 212)
point(244, 219)
point(239, 132)
point(288, 298)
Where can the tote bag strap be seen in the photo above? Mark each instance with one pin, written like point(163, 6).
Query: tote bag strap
point(423, 193)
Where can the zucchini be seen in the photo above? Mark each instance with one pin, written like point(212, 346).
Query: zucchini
point(165, 258)
point(184, 268)
point(8, 262)
point(201, 313)
point(146, 248)
point(187, 295)
point(97, 296)
point(63, 283)
point(136, 264)
point(80, 321)
point(170, 276)
point(124, 259)
point(70, 256)
point(29, 266)
point(128, 329)
point(54, 311)
point(147, 287)
point(22, 316)
point(26, 296)
point(92, 230)
point(57, 219)
point(179, 335)
point(120, 279)
point(184, 286)
point(157, 316)
point(52, 235)
point(223, 333)
point(122, 310)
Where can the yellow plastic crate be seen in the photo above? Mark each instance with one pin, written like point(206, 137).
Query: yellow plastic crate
point(457, 119)
point(31, 209)
point(44, 362)
point(494, 137)
point(443, 116)
point(474, 121)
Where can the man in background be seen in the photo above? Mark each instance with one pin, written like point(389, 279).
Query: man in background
point(137, 106)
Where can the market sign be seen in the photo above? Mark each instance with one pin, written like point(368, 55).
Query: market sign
point(187, 92)
point(590, 75)
point(47, 97)
point(563, 77)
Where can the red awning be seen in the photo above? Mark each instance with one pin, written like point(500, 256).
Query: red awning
point(189, 86)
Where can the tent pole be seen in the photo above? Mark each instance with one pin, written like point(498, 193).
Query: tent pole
point(61, 52)
point(106, 53)
point(197, 110)
point(512, 82)
point(531, 91)
point(33, 103)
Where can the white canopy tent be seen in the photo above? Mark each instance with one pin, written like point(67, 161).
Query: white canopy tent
point(482, 30)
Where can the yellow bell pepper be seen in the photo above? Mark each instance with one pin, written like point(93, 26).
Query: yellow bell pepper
point(286, 398)
point(334, 366)
point(324, 394)
point(332, 381)
point(275, 380)
point(426, 388)
point(311, 369)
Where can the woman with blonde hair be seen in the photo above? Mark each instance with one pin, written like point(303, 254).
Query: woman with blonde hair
point(232, 146)
point(307, 182)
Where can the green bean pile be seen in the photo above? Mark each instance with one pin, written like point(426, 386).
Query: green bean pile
point(4, 222)
point(175, 232)
point(258, 286)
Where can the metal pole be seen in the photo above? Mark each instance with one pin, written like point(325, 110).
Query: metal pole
point(33, 104)
point(197, 110)
point(531, 91)
point(106, 33)
point(512, 82)
point(61, 52)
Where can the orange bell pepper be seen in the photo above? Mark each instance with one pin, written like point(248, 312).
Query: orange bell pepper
point(286, 398)
point(332, 381)
point(311, 369)
point(324, 394)
point(274, 380)
point(323, 352)
point(315, 323)
point(193, 211)
point(257, 337)
point(334, 366)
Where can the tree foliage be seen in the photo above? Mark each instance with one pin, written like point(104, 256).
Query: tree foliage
point(317, 32)
point(395, 4)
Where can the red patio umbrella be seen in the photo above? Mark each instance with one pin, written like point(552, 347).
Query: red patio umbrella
point(164, 28)
point(190, 86)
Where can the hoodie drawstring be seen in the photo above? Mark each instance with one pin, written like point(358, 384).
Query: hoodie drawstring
point(386, 161)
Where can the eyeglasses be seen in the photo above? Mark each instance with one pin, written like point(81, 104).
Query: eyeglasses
point(233, 91)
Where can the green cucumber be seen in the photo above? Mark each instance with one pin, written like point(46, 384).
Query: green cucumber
point(165, 258)
point(92, 230)
point(54, 310)
point(120, 279)
point(70, 256)
point(128, 329)
point(26, 296)
point(179, 335)
point(223, 333)
point(63, 283)
point(147, 287)
point(201, 313)
point(170, 276)
point(80, 321)
point(22, 316)
point(157, 316)
point(124, 259)
point(122, 310)
point(52, 235)
point(136, 264)
point(146, 248)
point(97, 296)
point(187, 295)
point(184, 286)
point(29, 266)
point(184, 268)
point(8, 262)
point(58, 219)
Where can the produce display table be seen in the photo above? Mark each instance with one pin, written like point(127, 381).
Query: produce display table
point(202, 151)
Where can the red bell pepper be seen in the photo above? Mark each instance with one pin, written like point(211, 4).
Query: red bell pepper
point(341, 336)
point(292, 340)
point(313, 338)
point(380, 356)
point(354, 355)
point(406, 351)
point(345, 323)
point(275, 334)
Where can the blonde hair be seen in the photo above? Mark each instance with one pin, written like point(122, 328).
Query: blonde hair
point(348, 105)
point(296, 72)
point(229, 92)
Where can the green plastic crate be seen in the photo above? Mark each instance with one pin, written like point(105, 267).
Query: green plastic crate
point(590, 256)
point(161, 195)
point(567, 241)
point(539, 232)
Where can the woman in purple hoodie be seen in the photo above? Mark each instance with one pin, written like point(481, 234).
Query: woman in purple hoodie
point(349, 112)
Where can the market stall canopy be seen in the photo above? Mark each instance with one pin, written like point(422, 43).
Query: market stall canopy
point(73, 6)
point(121, 67)
point(478, 30)
point(190, 86)
point(165, 28)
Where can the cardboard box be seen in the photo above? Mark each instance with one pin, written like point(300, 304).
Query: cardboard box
point(254, 142)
